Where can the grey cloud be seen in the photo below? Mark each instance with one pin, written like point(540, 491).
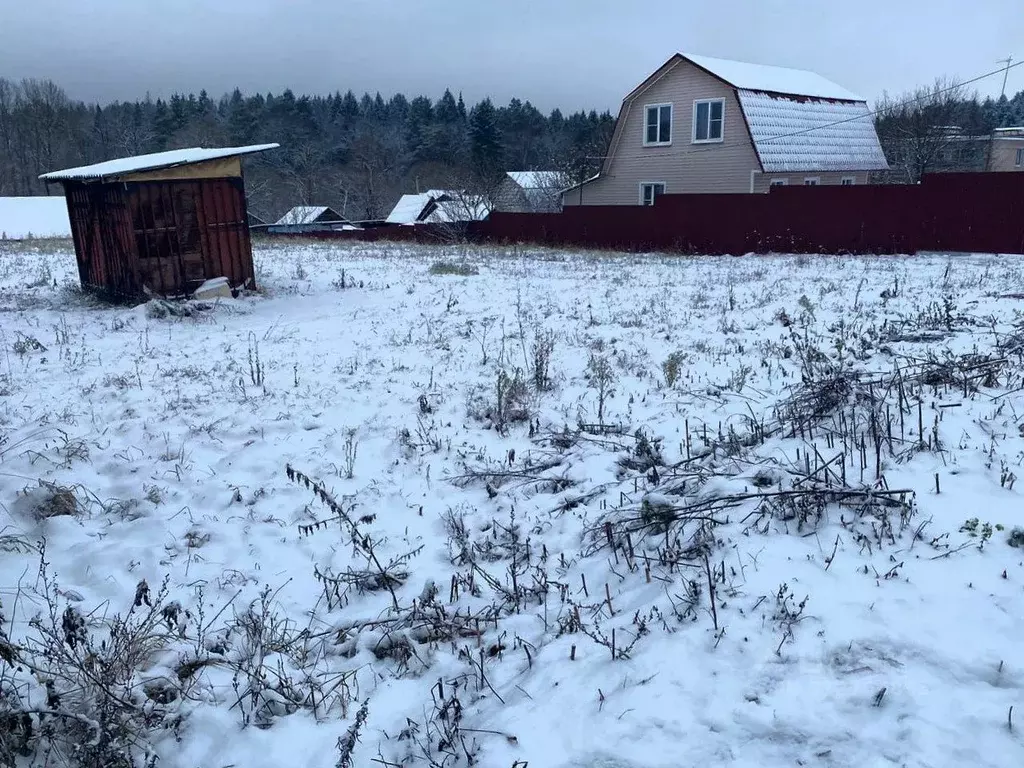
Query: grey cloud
point(567, 53)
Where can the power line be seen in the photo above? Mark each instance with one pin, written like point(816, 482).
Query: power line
point(903, 103)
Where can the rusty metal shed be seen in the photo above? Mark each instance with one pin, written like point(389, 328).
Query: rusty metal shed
point(160, 224)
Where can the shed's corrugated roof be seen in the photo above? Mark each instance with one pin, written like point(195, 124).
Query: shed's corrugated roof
point(804, 134)
point(152, 162)
point(762, 77)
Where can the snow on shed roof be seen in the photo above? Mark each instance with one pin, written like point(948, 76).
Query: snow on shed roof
point(308, 214)
point(537, 179)
point(762, 77)
point(152, 162)
point(800, 135)
point(26, 217)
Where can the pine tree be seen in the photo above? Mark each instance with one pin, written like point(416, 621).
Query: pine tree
point(485, 139)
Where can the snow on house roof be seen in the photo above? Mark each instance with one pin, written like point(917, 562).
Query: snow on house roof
point(152, 162)
point(408, 209)
point(762, 77)
point(307, 214)
point(22, 218)
point(537, 179)
point(811, 135)
point(453, 207)
point(450, 206)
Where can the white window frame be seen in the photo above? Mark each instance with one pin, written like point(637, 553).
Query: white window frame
point(693, 128)
point(812, 181)
point(778, 183)
point(671, 124)
point(848, 181)
point(651, 184)
point(1020, 157)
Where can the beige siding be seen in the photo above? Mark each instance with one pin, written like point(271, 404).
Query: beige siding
point(763, 180)
point(683, 166)
point(225, 167)
point(1004, 155)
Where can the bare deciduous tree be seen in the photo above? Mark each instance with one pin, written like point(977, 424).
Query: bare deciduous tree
point(923, 130)
point(373, 173)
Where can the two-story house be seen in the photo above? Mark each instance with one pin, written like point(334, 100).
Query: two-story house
point(700, 124)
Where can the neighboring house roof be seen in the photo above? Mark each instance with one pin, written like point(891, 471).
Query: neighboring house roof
point(439, 206)
point(537, 179)
point(457, 206)
point(541, 190)
point(152, 162)
point(408, 209)
point(28, 217)
point(308, 214)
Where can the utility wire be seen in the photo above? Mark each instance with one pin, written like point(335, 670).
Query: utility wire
point(903, 103)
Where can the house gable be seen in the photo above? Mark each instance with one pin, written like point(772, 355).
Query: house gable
point(681, 164)
point(774, 120)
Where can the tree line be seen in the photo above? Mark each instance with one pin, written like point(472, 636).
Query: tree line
point(940, 127)
point(354, 153)
point(359, 153)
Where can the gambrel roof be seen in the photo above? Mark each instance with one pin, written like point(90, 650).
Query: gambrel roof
point(803, 134)
point(798, 120)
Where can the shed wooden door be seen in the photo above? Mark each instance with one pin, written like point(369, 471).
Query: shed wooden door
point(190, 231)
point(190, 250)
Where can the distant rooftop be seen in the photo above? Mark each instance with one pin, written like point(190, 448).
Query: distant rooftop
point(309, 214)
point(537, 179)
point(152, 162)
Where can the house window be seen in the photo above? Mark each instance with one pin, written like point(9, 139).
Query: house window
point(708, 120)
point(658, 126)
point(650, 190)
point(778, 182)
point(848, 181)
point(812, 181)
point(1020, 157)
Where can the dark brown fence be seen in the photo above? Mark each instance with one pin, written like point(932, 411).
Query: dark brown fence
point(973, 212)
point(979, 212)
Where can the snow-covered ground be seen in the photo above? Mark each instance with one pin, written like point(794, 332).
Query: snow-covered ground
point(374, 494)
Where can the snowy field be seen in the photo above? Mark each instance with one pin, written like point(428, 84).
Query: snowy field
point(442, 507)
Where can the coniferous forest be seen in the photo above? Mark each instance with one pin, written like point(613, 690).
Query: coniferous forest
point(359, 153)
point(354, 153)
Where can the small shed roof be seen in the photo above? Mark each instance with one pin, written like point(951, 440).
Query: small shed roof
point(762, 77)
point(24, 217)
point(309, 214)
point(152, 162)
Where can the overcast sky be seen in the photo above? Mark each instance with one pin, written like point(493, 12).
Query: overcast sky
point(567, 53)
